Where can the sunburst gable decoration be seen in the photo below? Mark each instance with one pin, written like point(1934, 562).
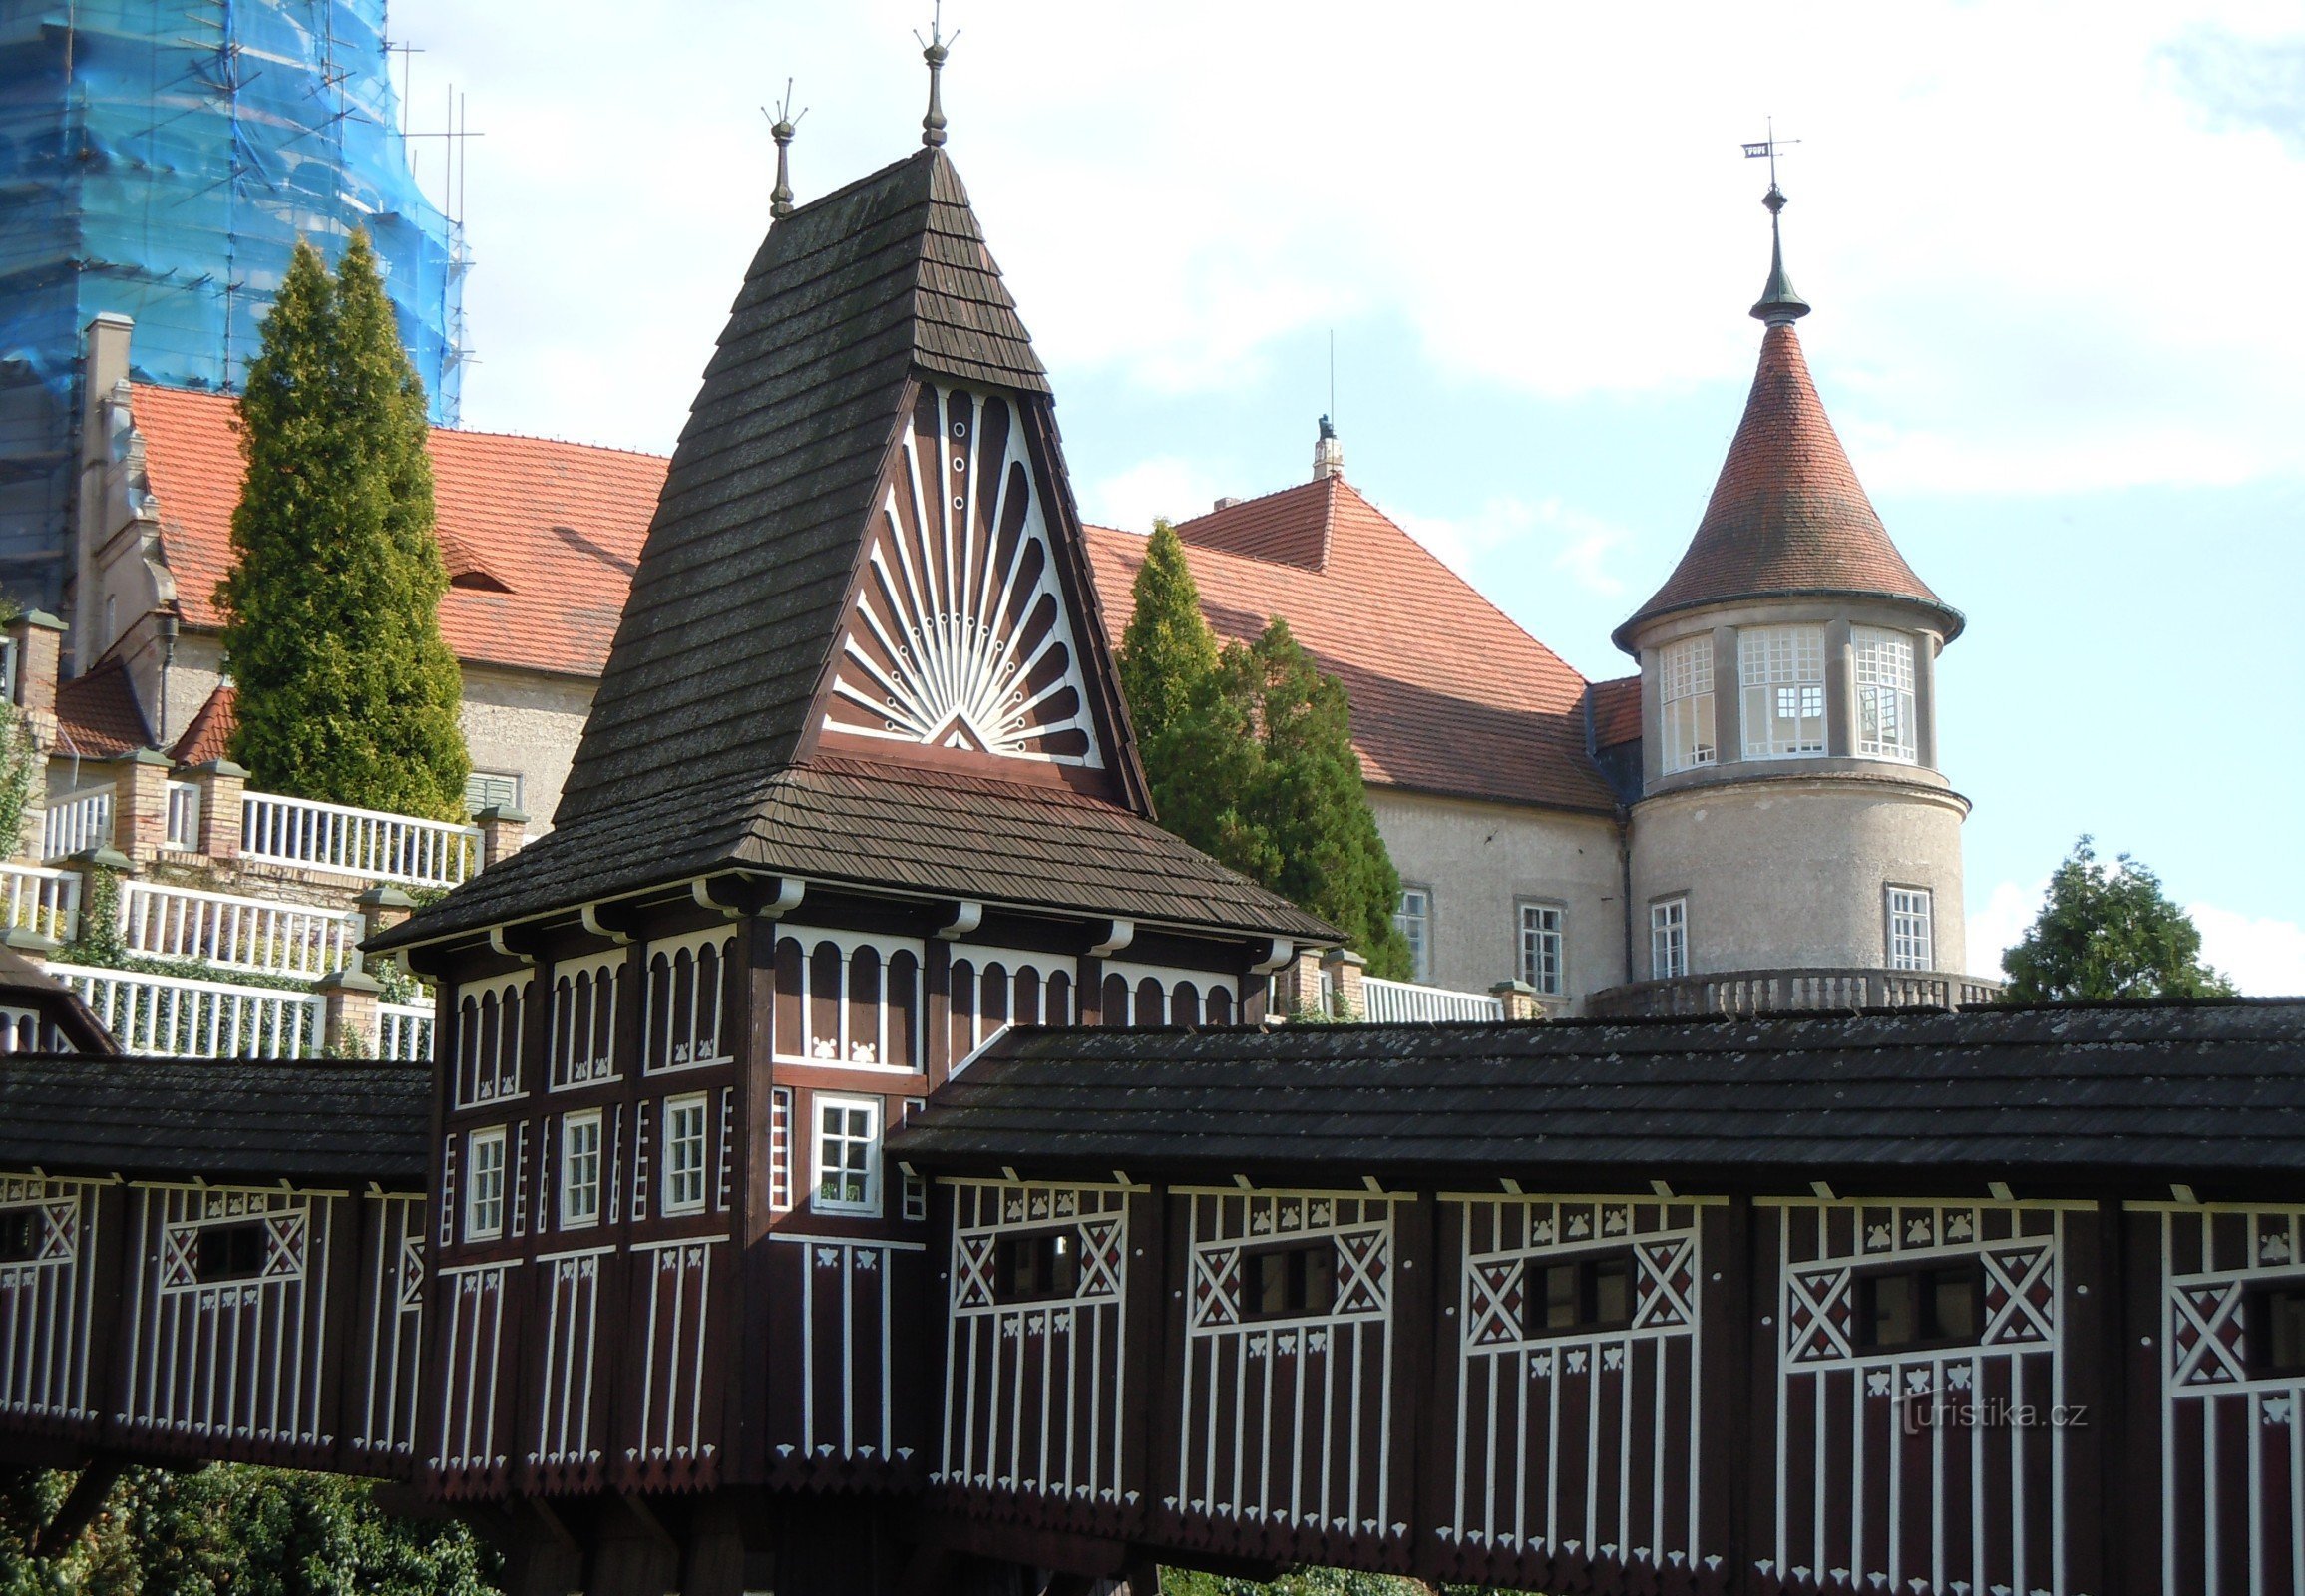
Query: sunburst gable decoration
point(960, 637)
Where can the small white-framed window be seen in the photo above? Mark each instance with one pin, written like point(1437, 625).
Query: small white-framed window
point(684, 1153)
point(1685, 692)
point(1544, 947)
point(484, 1185)
point(580, 1169)
point(1885, 710)
point(1668, 939)
point(848, 1155)
point(1781, 670)
point(1413, 918)
point(1911, 931)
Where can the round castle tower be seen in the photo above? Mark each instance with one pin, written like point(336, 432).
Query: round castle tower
point(1793, 819)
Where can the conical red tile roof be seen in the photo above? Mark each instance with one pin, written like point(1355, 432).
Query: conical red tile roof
point(1788, 516)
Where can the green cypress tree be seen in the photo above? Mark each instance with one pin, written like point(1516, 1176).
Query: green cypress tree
point(346, 691)
point(2108, 934)
point(1168, 654)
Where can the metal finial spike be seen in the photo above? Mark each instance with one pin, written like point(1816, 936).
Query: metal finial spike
point(933, 50)
point(781, 129)
point(1779, 305)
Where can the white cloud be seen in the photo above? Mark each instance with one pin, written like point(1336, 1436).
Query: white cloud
point(2264, 957)
point(1161, 487)
point(1994, 929)
point(1572, 541)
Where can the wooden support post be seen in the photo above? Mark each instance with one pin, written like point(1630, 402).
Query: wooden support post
point(81, 1504)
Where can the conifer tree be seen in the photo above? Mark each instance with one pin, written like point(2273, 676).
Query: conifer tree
point(1168, 654)
point(346, 691)
point(2108, 934)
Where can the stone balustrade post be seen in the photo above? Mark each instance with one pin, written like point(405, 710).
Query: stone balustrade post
point(1519, 999)
point(503, 831)
point(222, 785)
point(140, 803)
point(348, 1024)
point(39, 641)
point(381, 908)
point(1347, 998)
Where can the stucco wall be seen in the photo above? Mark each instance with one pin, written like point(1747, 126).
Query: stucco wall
point(1480, 860)
point(514, 721)
point(1791, 873)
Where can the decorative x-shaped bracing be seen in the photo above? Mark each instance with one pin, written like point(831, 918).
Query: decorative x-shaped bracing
point(1495, 1290)
point(1215, 1286)
point(973, 1272)
point(1816, 1319)
point(2020, 1293)
point(1100, 1259)
point(2207, 1345)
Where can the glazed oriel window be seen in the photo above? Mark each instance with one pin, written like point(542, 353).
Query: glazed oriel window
point(1885, 723)
point(1783, 673)
point(684, 1154)
point(1685, 691)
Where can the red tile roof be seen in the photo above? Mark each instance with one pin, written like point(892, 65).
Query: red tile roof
point(210, 733)
point(1788, 515)
point(1448, 694)
point(558, 525)
point(1616, 712)
point(97, 714)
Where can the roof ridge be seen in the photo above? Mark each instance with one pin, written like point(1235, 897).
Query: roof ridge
point(231, 401)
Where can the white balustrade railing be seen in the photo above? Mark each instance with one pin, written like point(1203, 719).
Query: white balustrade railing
point(183, 816)
point(77, 822)
point(172, 1017)
point(274, 939)
point(1395, 1003)
point(41, 901)
point(403, 1033)
point(356, 842)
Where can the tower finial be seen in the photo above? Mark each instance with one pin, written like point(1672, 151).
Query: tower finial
point(933, 50)
point(1779, 305)
point(781, 128)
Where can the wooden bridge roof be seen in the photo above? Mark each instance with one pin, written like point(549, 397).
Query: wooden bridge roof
point(2189, 1091)
point(224, 1119)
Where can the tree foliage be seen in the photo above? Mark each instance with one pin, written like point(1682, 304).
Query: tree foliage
point(346, 691)
point(241, 1530)
point(2108, 934)
point(1249, 751)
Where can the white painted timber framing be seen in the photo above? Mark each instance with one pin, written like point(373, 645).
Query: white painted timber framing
point(474, 1299)
point(1397, 1002)
point(367, 843)
point(566, 1431)
point(873, 1019)
point(684, 1025)
point(176, 1016)
point(584, 991)
point(262, 934)
point(392, 1273)
point(48, 1301)
point(846, 1322)
point(1036, 1397)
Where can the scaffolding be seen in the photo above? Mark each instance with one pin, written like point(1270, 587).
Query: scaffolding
point(161, 158)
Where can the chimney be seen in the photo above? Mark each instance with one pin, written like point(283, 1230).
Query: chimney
point(1327, 452)
point(1225, 503)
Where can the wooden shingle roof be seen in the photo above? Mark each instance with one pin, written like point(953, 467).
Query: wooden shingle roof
point(219, 1119)
point(2187, 1091)
point(696, 755)
point(1787, 515)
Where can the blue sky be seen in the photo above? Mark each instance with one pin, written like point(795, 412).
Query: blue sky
point(2053, 249)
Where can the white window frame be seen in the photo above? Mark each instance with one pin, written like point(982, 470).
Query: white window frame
point(685, 1147)
point(1781, 670)
point(1668, 938)
point(1886, 706)
point(1415, 924)
point(573, 1158)
point(1532, 923)
point(1910, 926)
point(484, 1184)
point(1685, 704)
point(845, 1137)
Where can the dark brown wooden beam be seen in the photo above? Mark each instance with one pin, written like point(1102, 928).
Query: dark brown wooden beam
point(81, 1504)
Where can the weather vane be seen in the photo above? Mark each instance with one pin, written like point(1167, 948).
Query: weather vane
point(1779, 304)
point(1767, 148)
point(780, 126)
point(933, 50)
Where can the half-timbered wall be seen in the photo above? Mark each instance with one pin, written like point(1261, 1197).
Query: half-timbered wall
point(1575, 1444)
point(1036, 1384)
point(2232, 1438)
point(230, 1362)
point(488, 1039)
point(1139, 994)
point(1931, 1464)
point(1284, 1429)
point(479, 1307)
point(845, 998)
point(997, 987)
point(48, 1302)
point(860, 1409)
point(688, 1001)
point(384, 1395)
point(585, 997)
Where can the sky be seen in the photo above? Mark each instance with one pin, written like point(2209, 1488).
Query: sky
point(2054, 252)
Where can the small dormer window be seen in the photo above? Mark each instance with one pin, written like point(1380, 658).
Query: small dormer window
point(1783, 673)
point(1685, 692)
point(1885, 712)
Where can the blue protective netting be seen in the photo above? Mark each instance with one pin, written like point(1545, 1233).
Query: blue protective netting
point(160, 159)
